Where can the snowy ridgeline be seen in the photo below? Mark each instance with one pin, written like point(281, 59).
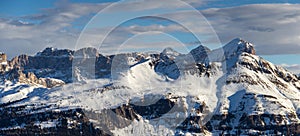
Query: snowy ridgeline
point(236, 93)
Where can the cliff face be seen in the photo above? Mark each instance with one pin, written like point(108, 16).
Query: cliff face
point(3, 57)
point(16, 75)
point(51, 63)
point(35, 70)
point(54, 63)
point(3, 62)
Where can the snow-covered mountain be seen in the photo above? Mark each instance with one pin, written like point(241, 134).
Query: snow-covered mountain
point(229, 90)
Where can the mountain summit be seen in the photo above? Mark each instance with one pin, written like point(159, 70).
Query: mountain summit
point(237, 46)
point(200, 53)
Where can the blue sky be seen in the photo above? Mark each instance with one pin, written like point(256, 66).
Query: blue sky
point(271, 25)
point(8, 7)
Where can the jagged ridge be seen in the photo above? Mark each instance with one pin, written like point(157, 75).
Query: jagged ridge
point(255, 96)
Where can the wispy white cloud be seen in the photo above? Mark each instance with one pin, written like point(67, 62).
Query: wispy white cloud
point(142, 5)
point(273, 28)
point(52, 27)
point(55, 26)
point(295, 68)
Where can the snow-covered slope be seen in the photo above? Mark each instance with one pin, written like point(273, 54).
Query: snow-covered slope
point(224, 91)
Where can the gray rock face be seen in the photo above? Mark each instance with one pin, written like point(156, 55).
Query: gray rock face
point(87, 63)
point(16, 75)
point(200, 53)
point(54, 63)
point(3, 57)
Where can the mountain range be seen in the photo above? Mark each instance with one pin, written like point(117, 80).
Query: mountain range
point(226, 91)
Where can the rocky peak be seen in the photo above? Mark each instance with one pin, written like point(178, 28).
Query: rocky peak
point(3, 62)
point(169, 50)
point(2, 57)
point(238, 46)
point(231, 51)
point(88, 52)
point(170, 53)
point(19, 61)
point(54, 52)
point(200, 53)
